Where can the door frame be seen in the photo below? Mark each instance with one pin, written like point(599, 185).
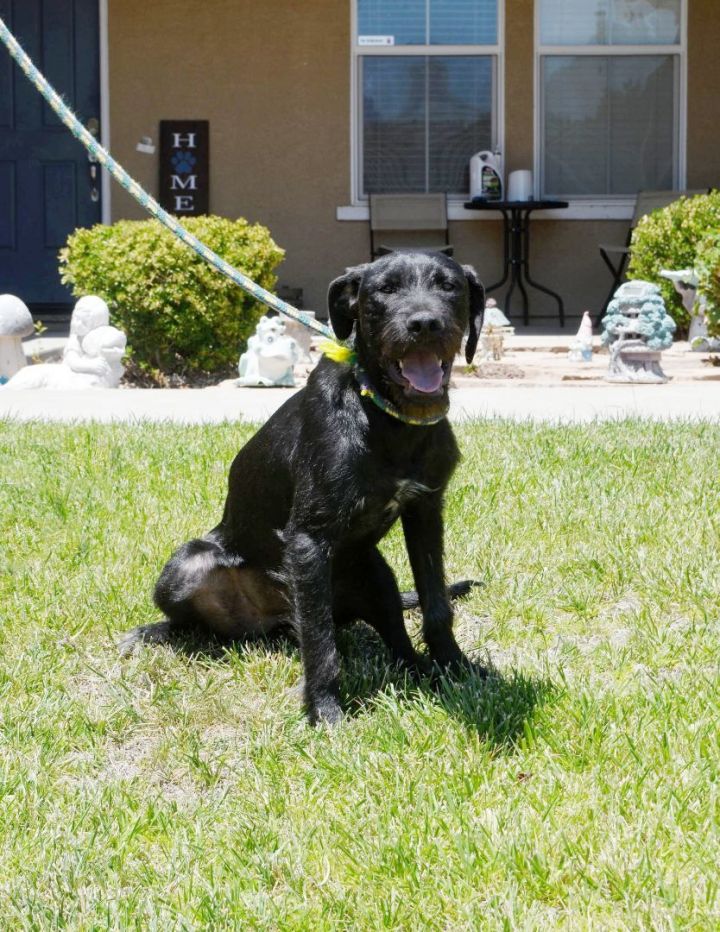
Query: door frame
point(106, 181)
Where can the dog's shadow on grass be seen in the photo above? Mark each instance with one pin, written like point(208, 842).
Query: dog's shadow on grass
point(495, 705)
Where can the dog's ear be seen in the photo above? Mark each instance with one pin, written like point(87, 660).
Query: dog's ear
point(477, 306)
point(342, 301)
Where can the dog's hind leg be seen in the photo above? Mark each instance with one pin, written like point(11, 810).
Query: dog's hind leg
point(180, 578)
point(366, 588)
point(203, 586)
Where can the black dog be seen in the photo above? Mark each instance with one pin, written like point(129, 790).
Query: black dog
point(315, 490)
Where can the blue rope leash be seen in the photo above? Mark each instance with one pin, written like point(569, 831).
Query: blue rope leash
point(140, 195)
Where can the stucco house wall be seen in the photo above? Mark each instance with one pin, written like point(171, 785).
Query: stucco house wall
point(273, 79)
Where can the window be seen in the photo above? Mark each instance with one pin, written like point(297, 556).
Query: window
point(426, 74)
point(610, 87)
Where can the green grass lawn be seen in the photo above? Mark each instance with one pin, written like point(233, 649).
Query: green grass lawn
point(578, 788)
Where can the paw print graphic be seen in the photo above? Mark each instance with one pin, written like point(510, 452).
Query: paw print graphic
point(183, 162)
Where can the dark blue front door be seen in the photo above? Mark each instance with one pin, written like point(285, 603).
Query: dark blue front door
point(46, 189)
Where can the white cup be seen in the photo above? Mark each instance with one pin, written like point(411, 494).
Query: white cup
point(520, 186)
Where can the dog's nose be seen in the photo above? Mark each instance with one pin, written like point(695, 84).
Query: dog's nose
point(424, 322)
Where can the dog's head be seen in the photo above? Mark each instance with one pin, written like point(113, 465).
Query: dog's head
point(410, 311)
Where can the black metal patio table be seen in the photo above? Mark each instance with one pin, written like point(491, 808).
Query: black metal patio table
point(516, 249)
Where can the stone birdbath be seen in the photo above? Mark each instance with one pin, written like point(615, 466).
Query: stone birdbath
point(686, 282)
point(15, 323)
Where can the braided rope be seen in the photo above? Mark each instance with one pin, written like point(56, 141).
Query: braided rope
point(121, 176)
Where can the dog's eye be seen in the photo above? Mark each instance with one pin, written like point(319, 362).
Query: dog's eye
point(387, 289)
point(447, 286)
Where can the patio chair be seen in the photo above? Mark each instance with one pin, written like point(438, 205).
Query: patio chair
point(646, 203)
point(412, 215)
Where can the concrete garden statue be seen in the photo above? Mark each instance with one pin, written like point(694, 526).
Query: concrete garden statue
point(636, 330)
point(91, 359)
point(495, 328)
point(270, 357)
point(581, 347)
point(15, 323)
point(686, 282)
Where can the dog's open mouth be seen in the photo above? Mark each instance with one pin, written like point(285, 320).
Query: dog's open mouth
point(420, 372)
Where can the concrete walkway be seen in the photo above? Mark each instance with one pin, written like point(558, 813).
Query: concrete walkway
point(549, 388)
point(560, 403)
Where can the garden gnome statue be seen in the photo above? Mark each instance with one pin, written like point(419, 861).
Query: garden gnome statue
point(15, 323)
point(495, 328)
point(686, 282)
point(636, 330)
point(92, 357)
point(270, 356)
point(581, 347)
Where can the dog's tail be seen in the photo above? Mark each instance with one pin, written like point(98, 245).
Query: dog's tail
point(456, 590)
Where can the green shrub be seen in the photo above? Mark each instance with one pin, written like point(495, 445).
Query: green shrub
point(669, 239)
point(708, 268)
point(179, 313)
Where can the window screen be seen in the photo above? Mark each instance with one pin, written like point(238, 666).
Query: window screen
point(609, 112)
point(610, 22)
point(608, 124)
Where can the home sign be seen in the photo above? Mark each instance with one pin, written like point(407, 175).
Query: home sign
point(185, 167)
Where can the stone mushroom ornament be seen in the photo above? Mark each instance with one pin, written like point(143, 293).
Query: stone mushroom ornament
point(15, 323)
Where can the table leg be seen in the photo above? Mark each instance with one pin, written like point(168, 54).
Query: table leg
point(530, 280)
point(553, 294)
point(506, 254)
point(514, 261)
point(520, 235)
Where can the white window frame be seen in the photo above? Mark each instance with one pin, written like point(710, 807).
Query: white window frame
point(612, 207)
point(359, 208)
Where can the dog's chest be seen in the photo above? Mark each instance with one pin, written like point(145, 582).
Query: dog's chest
point(378, 509)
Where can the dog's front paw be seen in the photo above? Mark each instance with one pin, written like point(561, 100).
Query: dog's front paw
point(417, 667)
point(446, 654)
point(324, 710)
point(462, 666)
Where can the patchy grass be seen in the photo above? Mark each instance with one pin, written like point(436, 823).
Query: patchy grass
point(578, 788)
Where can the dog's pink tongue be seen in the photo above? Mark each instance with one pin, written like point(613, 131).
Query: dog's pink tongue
point(423, 371)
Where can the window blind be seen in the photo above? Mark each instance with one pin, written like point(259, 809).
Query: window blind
point(423, 117)
point(430, 22)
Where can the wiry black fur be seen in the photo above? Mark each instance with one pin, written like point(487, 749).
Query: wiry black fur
point(321, 483)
